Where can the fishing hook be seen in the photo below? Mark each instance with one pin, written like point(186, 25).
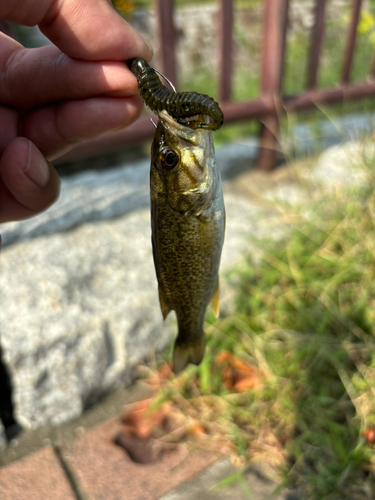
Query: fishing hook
point(165, 78)
point(170, 84)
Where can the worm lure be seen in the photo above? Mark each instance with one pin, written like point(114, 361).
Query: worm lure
point(179, 105)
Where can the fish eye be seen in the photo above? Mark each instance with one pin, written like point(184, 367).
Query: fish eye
point(169, 158)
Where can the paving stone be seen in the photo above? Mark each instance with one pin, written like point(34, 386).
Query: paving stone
point(36, 477)
point(342, 166)
point(105, 472)
point(209, 485)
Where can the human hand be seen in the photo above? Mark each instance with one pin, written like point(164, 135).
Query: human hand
point(53, 97)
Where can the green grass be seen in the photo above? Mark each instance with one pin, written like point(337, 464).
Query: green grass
point(304, 315)
point(311, 302)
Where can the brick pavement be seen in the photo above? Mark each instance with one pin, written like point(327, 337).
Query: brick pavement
point(105, 472)
point(37, 477)
point(92, 467)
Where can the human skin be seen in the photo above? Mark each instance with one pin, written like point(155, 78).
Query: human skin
point(53, 97)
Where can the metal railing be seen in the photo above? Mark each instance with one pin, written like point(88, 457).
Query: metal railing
point(271, 103)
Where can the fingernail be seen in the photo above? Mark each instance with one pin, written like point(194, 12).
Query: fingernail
point(37, 169)
point(148, 45)
point(146, 42)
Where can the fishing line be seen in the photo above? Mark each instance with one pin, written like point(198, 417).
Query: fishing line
point(170, 84)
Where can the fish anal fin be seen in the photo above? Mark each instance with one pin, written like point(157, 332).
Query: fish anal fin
point(187, 352)
point(165, 309)
point(215, 300)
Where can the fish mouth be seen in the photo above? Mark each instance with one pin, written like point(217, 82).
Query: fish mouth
point(191, 135)
point(170, 122)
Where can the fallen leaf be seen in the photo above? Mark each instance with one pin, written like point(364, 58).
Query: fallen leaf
point(369, 434)
point(197, 431)
point(160, 377)
point(146, 435)
point(135, 420)
point(222, 357)
point(237, 374)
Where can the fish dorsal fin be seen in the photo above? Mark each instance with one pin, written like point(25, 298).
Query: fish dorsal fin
point(165, 309)
point(215, 300)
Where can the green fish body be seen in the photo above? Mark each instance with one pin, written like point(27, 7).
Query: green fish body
point(188, 221)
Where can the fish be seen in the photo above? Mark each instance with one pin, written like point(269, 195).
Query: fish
point(188, 224)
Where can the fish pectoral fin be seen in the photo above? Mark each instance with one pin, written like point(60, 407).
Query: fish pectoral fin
point(187, 352)
point(215, 300)
point(165, 309)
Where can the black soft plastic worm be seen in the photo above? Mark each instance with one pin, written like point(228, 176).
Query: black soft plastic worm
point(179, 105)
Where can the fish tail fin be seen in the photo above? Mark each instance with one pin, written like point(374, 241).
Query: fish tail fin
point(187, 352)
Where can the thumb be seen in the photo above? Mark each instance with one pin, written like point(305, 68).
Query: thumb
point(28, 183)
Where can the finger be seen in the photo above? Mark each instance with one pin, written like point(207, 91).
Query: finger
point(8, 127)
point(28, 183)
point(56, 129)
point(30, 78)
point(83, 29)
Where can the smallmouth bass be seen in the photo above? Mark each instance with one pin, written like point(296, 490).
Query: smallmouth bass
point(187, 221)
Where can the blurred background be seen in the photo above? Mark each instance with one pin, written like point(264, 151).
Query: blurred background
point(288, 378)
point(217, 49)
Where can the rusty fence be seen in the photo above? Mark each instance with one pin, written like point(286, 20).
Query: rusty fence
point(271, 103)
